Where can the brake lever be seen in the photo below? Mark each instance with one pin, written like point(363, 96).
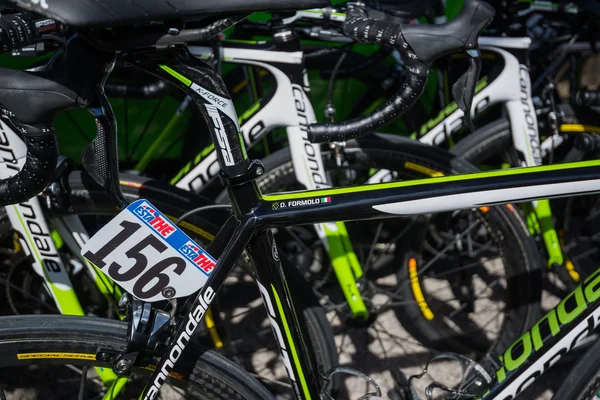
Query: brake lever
point(463, 89)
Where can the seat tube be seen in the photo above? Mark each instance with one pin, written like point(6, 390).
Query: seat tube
point(238, 174)
point(208, 91)
point(283, 315)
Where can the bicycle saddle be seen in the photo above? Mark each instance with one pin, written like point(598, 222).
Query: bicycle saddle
point(32, 98)
point(105, 13)
point(35, 97)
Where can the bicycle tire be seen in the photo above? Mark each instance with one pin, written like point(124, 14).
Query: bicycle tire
point(484, 142)
point(377, 149)
point(583, 381)
point(75, 341)
point(88, 198)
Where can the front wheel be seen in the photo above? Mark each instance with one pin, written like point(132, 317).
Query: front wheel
point(465, 281)
point(583, 382)
point(55, 352)
point(242, 330)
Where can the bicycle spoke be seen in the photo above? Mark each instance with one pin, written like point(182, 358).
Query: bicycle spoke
point(584, 254)
point(82, 384)
point(462, 268)
point(399, 340)
point(595, 211)
point(490, 286)
point(372, 249)
point(291, 232)
point(448, 247)
point(29, 296)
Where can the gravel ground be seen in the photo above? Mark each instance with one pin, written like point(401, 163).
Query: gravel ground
point(377, 353)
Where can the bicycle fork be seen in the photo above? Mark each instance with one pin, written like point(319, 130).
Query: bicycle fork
point(309, 171)
point(526, 140)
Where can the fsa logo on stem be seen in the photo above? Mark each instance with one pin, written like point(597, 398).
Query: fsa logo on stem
point(198, 256)
point(223, 143)
point(159, 223)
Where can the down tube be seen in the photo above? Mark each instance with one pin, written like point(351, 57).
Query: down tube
point(200, 305)
point(287, 329)
point(575, 318)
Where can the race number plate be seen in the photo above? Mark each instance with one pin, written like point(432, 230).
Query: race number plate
point(148, 255)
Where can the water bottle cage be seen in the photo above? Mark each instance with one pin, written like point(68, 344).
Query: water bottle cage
point(474, 383)
point(327, 378)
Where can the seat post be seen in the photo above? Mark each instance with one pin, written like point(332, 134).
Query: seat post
point(101, 157)
point(208, 91)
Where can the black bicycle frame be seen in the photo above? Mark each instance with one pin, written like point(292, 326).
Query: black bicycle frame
point(255, 213)
point(238, 174)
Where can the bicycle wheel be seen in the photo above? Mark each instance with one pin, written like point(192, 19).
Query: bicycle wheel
point(237, 308)
point(503, 270)
point(36, 349)
point(583, 382)
point(491, 145)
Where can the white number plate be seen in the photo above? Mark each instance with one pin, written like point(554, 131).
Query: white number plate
point(148, 255)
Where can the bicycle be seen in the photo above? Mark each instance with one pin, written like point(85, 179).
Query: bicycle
point(569, 130)
point(421, 312)
point(73, 236)
point(87, 158)
point(517, 255)
point(557, 181)
point(268, 114)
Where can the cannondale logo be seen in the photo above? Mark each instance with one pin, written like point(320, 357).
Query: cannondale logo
point(180, 343)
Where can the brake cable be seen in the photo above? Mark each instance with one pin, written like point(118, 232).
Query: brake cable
point(329, 108)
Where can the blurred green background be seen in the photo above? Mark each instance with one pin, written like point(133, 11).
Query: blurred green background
point(141, 121)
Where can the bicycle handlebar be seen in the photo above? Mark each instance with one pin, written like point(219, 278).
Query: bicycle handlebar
point(40, 163)
point(21, 30)
point(588, 98)
point(419, 45)
point(18, 31)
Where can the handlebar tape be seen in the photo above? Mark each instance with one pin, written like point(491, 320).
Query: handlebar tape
point(363, 29)
point(419, 45)
point(589, 98)
point(40, 164)
point(18, 31)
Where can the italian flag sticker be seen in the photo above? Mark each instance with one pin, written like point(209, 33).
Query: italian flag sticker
point(326, 200)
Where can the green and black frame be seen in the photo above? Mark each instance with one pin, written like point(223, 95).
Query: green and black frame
point(255, 215)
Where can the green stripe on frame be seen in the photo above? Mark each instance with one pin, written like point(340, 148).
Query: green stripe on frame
point(176, 75)
point(66, 300)
point(292, 346)
point(428, 181)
